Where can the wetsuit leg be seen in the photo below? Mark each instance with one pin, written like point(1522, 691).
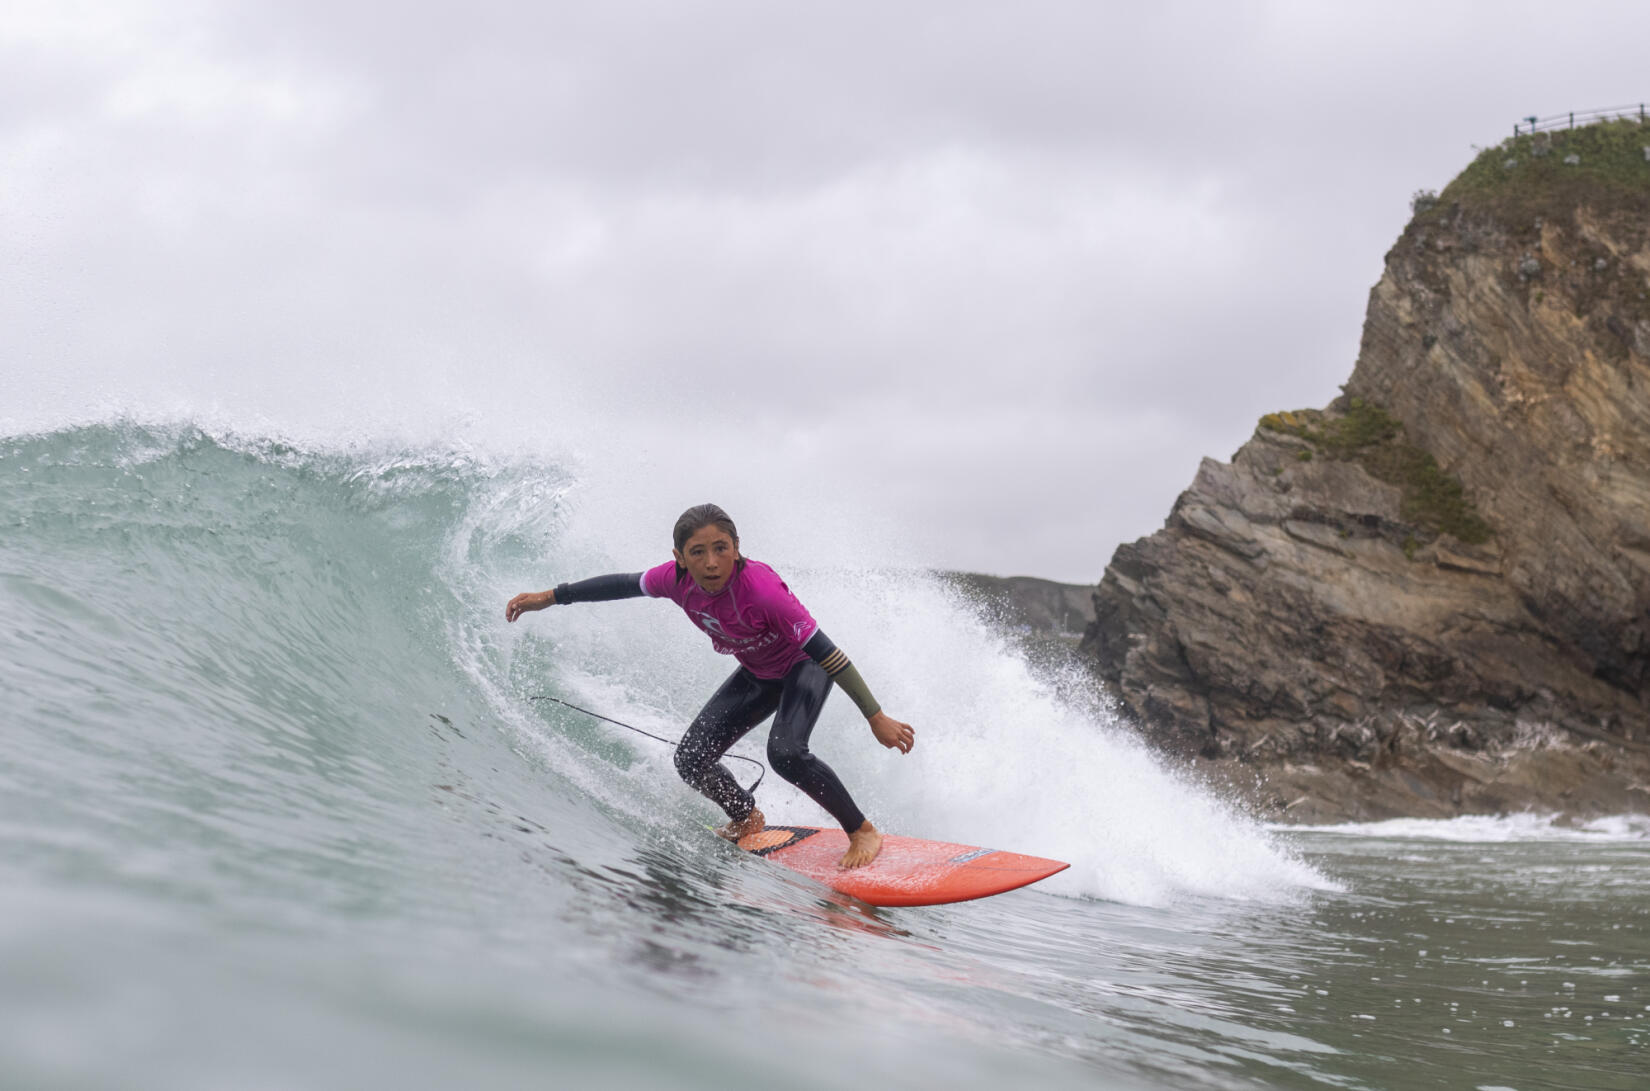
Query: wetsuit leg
point(742, 702)
point(800, 701)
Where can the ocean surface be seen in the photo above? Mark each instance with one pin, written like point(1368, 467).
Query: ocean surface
point(277, 811)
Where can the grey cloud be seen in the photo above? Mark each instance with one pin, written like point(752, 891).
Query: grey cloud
point(1126, 231)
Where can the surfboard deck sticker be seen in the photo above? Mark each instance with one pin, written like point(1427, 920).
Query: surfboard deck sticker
point(908, 870)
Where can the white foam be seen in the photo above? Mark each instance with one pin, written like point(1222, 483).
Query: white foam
point(1005, 759)
point(1490, 829)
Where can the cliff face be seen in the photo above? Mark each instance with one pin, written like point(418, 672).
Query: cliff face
point(1458, 547)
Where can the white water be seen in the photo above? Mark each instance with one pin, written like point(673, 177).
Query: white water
point(1497, 829)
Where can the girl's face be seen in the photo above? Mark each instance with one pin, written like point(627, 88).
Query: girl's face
point(710, 555)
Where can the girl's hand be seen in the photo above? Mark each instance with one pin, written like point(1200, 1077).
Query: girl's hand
point(892, 733)
point(528, 600)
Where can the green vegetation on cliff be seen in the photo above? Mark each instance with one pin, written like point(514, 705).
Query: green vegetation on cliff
point(1368, 435)
point(1551, 174)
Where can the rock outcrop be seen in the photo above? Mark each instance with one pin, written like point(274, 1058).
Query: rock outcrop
point(1026, 605)
point(1455, 551)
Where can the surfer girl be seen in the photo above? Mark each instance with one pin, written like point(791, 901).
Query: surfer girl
point(786, 667)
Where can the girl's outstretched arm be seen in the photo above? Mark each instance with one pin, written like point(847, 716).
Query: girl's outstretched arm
point(623, 585)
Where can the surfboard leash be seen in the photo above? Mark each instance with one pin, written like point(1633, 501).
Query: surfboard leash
point(762, 770)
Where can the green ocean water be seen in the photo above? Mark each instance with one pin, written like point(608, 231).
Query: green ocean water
point(276, 811)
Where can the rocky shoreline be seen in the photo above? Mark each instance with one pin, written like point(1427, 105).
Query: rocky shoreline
point(1543, 772)
point(1416, 765)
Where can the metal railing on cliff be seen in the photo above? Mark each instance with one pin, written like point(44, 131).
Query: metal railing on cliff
point(1632, 111)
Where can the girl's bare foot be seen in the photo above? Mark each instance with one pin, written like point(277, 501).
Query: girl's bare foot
point(863, 846)
point(733, 831)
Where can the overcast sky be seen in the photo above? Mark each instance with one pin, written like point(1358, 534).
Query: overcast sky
point(990, 276)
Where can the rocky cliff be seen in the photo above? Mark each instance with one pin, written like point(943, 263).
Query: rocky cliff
point(1414, 600)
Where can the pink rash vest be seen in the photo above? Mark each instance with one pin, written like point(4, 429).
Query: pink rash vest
point(753, 618)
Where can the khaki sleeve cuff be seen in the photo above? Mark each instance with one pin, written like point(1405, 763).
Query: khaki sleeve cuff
point(854, 686)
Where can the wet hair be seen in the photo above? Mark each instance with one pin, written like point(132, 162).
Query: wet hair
point(697, 518)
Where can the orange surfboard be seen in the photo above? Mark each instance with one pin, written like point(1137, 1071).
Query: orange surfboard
point(908, 870)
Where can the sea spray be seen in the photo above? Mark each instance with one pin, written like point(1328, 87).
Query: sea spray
point(1006, 759)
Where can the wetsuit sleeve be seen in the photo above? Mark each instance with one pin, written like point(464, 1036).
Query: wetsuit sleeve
point(822, 651)
point(627, 585)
